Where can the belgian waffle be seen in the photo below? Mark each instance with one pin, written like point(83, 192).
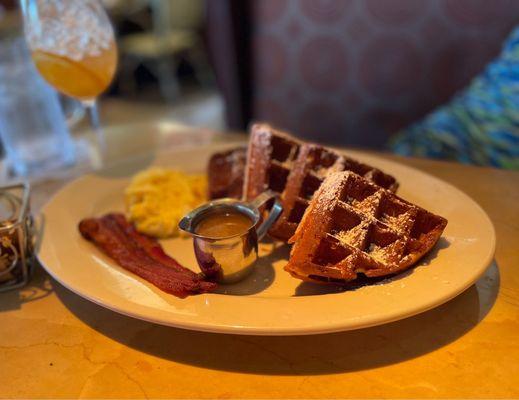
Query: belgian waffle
point(295, 170)
point(355, 229)
point(270, 157)
point(225, 173)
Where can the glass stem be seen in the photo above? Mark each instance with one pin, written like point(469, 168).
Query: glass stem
point(93, 112)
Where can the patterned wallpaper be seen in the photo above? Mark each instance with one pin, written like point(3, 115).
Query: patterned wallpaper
point(355, 71)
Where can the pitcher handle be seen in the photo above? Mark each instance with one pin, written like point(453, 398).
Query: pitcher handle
point(274, 213)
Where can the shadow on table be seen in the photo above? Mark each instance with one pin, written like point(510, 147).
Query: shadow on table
point(39, 286)
point(299, 355)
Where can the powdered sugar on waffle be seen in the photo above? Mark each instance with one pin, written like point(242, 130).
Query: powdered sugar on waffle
point(374, 229)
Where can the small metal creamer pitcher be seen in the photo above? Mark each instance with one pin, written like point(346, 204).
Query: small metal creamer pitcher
point(230, 259)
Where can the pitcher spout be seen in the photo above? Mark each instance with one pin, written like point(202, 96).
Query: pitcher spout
point(186, 225)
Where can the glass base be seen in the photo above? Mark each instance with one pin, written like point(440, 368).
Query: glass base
point(41, 166)
point(84, 158)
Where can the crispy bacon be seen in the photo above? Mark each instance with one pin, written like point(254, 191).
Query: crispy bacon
point(142, 255)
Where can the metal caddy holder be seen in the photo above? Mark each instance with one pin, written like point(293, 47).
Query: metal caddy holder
point(16, 238)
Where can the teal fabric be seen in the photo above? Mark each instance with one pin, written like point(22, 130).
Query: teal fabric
point(480, 125)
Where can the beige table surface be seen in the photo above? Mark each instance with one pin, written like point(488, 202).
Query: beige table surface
point(54, 344)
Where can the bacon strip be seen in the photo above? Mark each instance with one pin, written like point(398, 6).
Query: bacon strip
point(150, 245)
point(142, 255)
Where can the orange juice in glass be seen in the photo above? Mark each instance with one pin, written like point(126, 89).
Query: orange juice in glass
point(73, 46)
point(84, 79)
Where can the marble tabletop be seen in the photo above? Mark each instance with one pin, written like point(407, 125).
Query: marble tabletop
point(55, 344)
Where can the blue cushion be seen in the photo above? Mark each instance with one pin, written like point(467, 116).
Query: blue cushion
point(480, 125)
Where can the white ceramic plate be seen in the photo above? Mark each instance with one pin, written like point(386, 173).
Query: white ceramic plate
point(269, 302)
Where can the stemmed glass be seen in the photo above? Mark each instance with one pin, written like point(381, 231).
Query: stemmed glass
point(73, 47)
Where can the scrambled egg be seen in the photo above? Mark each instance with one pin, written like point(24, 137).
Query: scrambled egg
point(158, 198)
